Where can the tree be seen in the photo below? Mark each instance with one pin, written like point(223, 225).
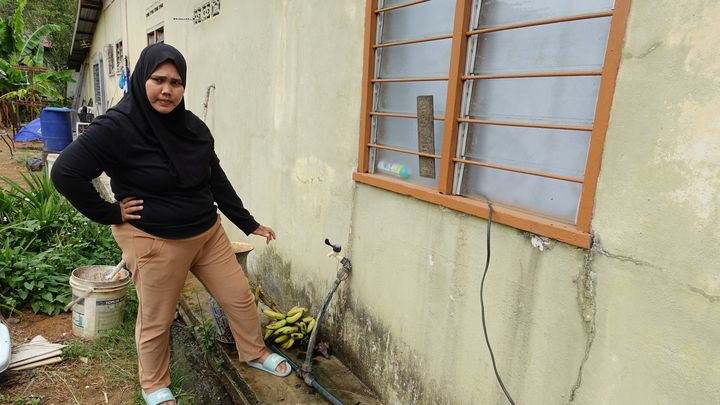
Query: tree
point(21, 49)
point(38, 13)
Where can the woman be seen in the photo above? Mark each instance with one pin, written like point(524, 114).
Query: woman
point(167, 178)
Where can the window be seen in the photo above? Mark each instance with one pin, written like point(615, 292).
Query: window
point(110, 57)
point(98, 87)
point(156, 36)
point(119, 57)
point(521, 93)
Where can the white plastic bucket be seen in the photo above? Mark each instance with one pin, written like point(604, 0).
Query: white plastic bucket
point(98, 303)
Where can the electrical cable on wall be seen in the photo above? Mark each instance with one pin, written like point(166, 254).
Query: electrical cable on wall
point(482, 306)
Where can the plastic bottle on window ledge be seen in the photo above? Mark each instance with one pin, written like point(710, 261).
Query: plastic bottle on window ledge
point(396, 169)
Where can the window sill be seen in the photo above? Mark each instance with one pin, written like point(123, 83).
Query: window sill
point(557, 230)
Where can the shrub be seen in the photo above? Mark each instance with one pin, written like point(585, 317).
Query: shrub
point(43, 238)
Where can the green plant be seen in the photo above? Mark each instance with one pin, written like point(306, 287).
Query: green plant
point(43, 239)
point(205, 331)
point(20, 50)
point(74, 350)
point(6, 399)
point(37, 14)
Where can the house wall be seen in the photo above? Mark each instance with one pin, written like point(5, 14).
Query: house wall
point(109, 30)
point(658, 210)
point(119, 21)
point(634, 320)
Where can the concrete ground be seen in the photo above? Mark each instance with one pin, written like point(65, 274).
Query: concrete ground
point(251, 386)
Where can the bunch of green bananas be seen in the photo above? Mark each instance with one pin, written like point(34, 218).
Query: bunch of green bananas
point(288, 328)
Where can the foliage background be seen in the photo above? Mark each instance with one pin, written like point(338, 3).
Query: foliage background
point(42, 239)
point(40, 12)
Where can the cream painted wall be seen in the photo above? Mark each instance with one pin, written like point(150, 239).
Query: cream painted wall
point(657, 214)
point(635, 320)
point(283, 114)
point(120, 20)
point(109, 30)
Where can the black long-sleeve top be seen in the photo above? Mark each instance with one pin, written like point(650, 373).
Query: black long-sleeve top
point(138, 167)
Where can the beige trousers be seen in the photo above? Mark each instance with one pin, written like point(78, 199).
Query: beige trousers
point(159, 268)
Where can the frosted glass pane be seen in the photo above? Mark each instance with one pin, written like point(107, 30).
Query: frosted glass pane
point(554, 198)
point(551, 100)
point(411, 163)
point(503, 12)
point(402, 133)
point(390, 3)
point(576, 45)
point(551, 151)
point(415, 60)
point(422, 20)
point(402, 97)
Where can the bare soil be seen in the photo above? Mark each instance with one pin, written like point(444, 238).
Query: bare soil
point(12, 164)
point(68, 382)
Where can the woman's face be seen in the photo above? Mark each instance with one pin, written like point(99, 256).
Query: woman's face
point(165, 88)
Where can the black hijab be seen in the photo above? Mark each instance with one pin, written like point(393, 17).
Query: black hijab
point(183, 137)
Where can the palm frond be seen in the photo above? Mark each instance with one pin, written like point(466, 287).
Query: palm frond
point(34, 40)
point(16, 23)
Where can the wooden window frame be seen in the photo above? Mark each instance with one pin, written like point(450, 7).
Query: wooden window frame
point(119, 59)
point(154, 33)
point(578, 234)
point(110, 58)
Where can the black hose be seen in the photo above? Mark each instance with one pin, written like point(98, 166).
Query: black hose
point(313, 382)
point(325, 393)
point(482, 307)
point(307, 365)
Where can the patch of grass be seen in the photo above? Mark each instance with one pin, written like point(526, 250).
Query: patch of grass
point(22, 155)
point(114, 353)
point(7, 399)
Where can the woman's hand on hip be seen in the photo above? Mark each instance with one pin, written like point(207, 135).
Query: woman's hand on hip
point(266, 232)
point(129, 207)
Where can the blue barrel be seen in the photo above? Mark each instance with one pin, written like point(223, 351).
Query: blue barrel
point(56, 127)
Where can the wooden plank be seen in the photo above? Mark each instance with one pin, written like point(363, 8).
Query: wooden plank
point(533, 74)
point(542, 22)
point(36, 358)
point(509, 216)
point(37, 364)
point(409, 152)
point(398, 115)
point(522, 171)
point(37, 347)
point(458, 54)
point(527, 124)
point(409, 79)
point(366, 100)
point(412, 41)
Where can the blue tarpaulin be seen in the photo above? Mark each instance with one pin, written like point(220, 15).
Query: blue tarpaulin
point(30, 132)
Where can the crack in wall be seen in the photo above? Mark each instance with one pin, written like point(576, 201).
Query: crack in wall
point(711, 298)
point(648, 51)
point(597, 249)
point(587, 284)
